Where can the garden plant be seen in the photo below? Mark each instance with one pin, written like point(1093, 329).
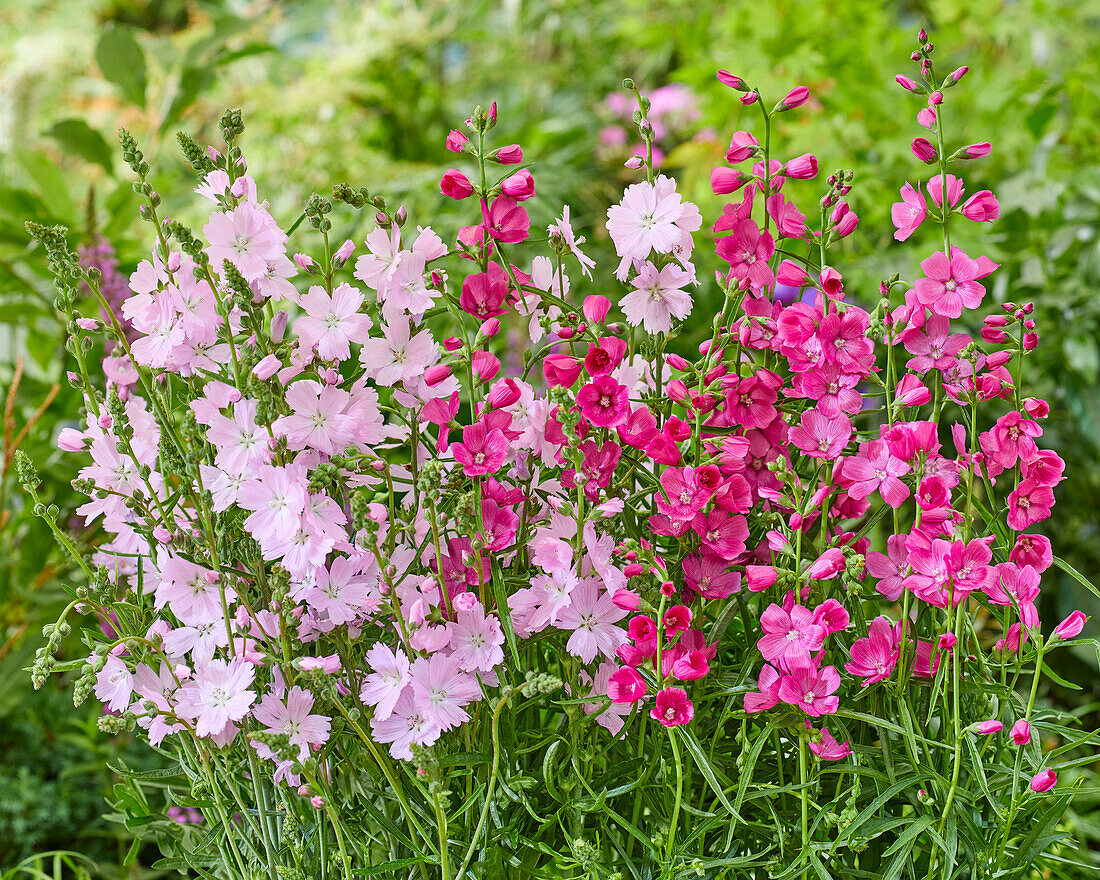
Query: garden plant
point(452, 558)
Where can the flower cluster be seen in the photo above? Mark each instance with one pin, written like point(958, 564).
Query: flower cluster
point(332, 513)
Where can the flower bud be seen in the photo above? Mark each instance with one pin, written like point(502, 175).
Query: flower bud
point(1021, 732)
point(958, 74)
point(981, 207)
point(266, 367)
point(1071, 627)
point(802, 167)
point(1036, 408)
point(677, 362)
point(456, 184)
point(796, 97)
point(457, 141)
point(734, 82)
point(906, 83)
point(596, 307)
point(976, 151)
point(504, 394)
point(935, 99)
point(520, 186)
point(509, 155)
point(750, 98)
point(742, 146)
point(724, 181)
point(627, 600)
point(436, 374)
point(924, 150)
point(1044, 781)
point(985, 728)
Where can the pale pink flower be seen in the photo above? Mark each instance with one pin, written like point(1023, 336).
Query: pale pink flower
point(658, 297)
point(651, 217)
point(248, 237)
point(317, 419)
point(383, 687)
point(331, 323)
point(114, 685)
point(399, 356)
point(592, 616)
point(217, 695)
point(441, 689)
point(293, 718)
point(476, 640)
point(407, 725)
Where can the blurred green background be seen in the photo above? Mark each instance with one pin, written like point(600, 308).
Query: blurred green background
point(366, 92)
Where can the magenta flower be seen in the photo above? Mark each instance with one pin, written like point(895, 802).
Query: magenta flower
point(876, 469)
point(604, 402)
point(818, 436)
point(747, 249)
point(1071, 627)
point(874, 657)
point(768, 693)
point(482, 451)
point(1044, 781)
point(1021, 732)
point(673, 707)
point(981, 207)
point(789, 638)
point(485, 294)
point(625, 685)
point(506, 220)
point(456, 184)
point(985, 728)
point(1029, 503)
point(811, 690)
point(950, 284)
point(824, 745)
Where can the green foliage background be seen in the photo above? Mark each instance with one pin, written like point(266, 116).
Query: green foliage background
point(365, 93)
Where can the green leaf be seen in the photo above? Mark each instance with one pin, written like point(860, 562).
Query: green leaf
point(706, 769)
point(121, 60)
point(79, 139)
point(1077, 576)
point(51, 185)
point(386, 867)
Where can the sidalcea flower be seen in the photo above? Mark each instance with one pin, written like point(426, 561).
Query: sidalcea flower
point(592, 616)
point(874, 657)
point(218, 695)
point(789, 638)
point(482, 450)
point(604, 402)
point(1021, 732)
point(811, 690)
point(1044, 781)
point(626, 686)
point(748, 248)
point(652, 217)
point(658, 297)
point(1071, 627)
point(823, 744)
point(673, 707)
point(985, 728)
point(950, 284)
point(292, 716)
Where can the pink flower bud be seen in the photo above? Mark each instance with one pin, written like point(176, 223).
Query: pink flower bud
point(924, 150)
point(520, 186)
point(504, 393)
point(802, 167)
point(490, 328)
point(1071, 627)
point(628, 600)
point(958, 74)
point(1021, 732)
point(724, 181)
point(596, 307)
point(912, 392)
point(1044, 781)
point(906, 83)
point(742, 146)
point(434, 375)
point(981, 207)
point(634, 163)
point(345, 251)
point(317, 801)
point(831, 282)
point(796, 97)
point(828, 565)
point(267, 367)
point(1036, 408)
point(561, 369)
point(935, 99)
point(734, 82)
point(750, 98)
point(509, 155)
point(791, 274)
point(452, 343)
point(456, 184)
point(994, 335)
point(985, 728)
point(485, 365)
point(847, 224)
point(456, 141)
point(977, 151)
point(303, 262)
point(1031, 341)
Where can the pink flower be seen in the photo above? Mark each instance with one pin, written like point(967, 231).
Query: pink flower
point(317, 420)
point(406, 726)
point(802, 167)
point(768, 695)
point(924, 150)
point(382, 687)
point(592, 616)
point(789, 638)
point(456, 184)
point(217, 695)
point(482, 451)
point(1044, 781)
point(818, 436)
point(1021, 732)
point(874, 657)
point(985, 728)
point(981, 207)
point(441, 690)
point(658, 297)
point(292, 718)
point(476, 640)
point(114, 685)
point(248, 237)
point(828, 749)
point(875, 468)
point(747, 248)
point(827, 566)
point(1028, 503)
point(933, 346)
point(400, 356)
point(1071, 627)
point(673, 707)
point(710, 575)
point(811, 690)
point(484, 294)
point(951, 284)
point(796, 97)
point(1033, 550)
point(332, 322)
point(505, 220)
point(626, 686)
point(651, 217)
point(604, 402)
point(724, 181)
point(520, 186)
point(742, 146)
